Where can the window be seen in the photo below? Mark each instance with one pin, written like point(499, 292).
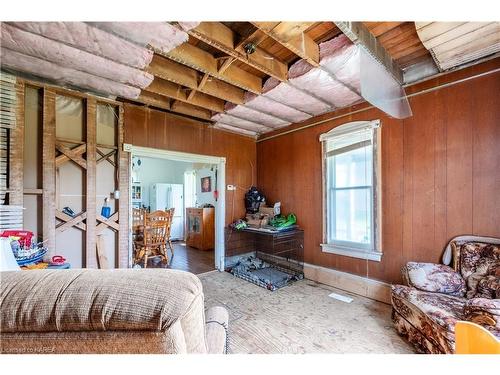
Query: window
point(351, 193)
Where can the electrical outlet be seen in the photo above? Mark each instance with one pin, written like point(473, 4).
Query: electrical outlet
point(231, 187)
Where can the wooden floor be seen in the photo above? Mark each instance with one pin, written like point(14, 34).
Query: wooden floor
point(187, 259)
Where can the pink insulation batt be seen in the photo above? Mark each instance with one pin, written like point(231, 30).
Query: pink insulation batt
point(339, 64)
point(223, 118)
point(92, 40)
point(159, 35)
point(186, 26)
point(264, 104)
point(65, 76)
point(61, 54)
point(234, 129)
point(255, 116)
point(290, 96)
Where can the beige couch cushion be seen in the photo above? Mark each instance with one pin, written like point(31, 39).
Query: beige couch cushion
point(96, 300)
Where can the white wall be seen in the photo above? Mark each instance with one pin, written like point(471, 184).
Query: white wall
point(205, 198)
point(156, 170)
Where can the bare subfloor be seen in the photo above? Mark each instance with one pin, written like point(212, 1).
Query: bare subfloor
point(300, 318)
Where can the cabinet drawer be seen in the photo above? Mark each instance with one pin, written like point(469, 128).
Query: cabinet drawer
point(194, 211)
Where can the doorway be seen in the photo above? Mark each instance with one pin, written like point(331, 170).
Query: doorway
point(192, 184)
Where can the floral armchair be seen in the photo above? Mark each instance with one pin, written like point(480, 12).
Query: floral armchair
point(436, 296)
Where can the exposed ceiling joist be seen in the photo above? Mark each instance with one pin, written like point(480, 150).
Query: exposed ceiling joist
point(163, 102)
point(156, 100)
point(223, 38)
point(292, 36)
point(256, 37)
point(191, 110)
point(196, 58)
point(191, 78)
point(359, 34)
point(171, 90)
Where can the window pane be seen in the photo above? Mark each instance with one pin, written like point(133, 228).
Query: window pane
point(352, 215)
point(354, 168)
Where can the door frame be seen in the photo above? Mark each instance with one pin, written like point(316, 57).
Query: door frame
point(220, 206)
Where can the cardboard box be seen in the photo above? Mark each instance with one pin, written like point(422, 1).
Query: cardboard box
point(271, 211)
point(257, 220)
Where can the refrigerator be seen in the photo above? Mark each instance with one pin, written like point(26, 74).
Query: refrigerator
point(165, 196)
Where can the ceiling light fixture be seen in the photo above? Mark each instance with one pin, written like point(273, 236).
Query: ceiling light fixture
point(250, 48)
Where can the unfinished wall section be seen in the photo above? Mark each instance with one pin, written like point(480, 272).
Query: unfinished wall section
point(71, 163)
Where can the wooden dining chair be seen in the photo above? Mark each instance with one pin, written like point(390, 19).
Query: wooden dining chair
point(170, 214)
point(154, 240)
point(471, 338)
point(138, 218)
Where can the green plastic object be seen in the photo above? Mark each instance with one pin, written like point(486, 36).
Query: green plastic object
point(281, 221)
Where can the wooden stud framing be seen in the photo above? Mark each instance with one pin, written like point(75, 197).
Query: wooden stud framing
point(16, 178)
point(106, 156)
point(222, 37)
point(104, 223)
point(191, 110)
point(72, 221)
point(66, 218)
point(85, 221)
point(196, 58)
point(156, 100)
point(182, 75)
point(171, 90)
point(49, 170)
point(292, 36)
point(123, 260)
point(160, 101)
point(90, 194)
point(68, 154)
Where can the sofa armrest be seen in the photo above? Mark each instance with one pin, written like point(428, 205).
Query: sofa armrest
point(217, 320)
point(483, 311)
point(432, 277)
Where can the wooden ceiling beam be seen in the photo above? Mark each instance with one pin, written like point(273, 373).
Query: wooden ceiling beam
point(171, 90)
point(292, 36)
point(185, 76)
point(173, 72)
point(156, 100)
point(191, 110)
point(164, 102)
point(201, 60)
point(359, 34)
point(223, 38)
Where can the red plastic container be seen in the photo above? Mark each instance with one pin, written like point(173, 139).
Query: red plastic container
point(24, 236)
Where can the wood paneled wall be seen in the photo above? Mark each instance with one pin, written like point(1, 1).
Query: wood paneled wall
point(440, 173)
point(152, 128)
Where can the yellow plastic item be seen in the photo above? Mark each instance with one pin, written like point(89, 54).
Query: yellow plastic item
point(471, 338)
point(38, 266)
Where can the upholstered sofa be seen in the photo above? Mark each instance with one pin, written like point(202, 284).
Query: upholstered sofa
point(108, 311)
point(436, 296)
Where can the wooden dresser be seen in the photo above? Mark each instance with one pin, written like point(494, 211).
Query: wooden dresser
point(200, 231)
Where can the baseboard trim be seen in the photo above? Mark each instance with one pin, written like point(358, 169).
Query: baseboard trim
point(363, 286)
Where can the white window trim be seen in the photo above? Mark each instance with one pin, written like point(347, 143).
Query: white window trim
point(345, 250)
point(352, 252)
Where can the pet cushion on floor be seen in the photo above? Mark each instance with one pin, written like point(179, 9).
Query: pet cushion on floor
point(261, 273)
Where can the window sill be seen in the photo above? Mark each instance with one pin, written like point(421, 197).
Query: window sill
point(375, 256)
